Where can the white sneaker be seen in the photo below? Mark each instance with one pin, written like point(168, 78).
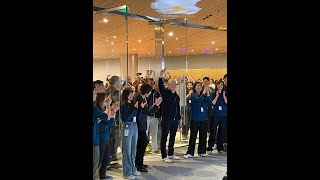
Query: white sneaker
point(214, 147)
point(221, 152)
point(167, 160)
point(174, 157)
point(137, 173)
point(129, 177)
point(187, 156)
point(203, 155)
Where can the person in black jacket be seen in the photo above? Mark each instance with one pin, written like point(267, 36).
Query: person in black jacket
point(171, 117)
point(143, 111)
point(153, 118)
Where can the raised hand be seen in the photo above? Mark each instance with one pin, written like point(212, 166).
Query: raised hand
point(163, 71)
point(108, 100)
point(143, 104)
point(136, 104)
point(158, 101)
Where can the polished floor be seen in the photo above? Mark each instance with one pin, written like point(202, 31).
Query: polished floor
point(212, 167)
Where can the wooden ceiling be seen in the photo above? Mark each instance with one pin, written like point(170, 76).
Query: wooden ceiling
point(109, 38)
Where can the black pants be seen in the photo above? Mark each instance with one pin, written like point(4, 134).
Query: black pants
point(104, 159)
point(186, 124)
point(196, 126)
point(168, 125)
point(141, 147)
point(220, 124)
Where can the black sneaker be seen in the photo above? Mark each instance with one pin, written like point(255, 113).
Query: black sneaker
point(209, 149)
point(142, 169)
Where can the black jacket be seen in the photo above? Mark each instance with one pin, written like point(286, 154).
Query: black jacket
point(142, 113)
point(170, 103)
point(151, 99)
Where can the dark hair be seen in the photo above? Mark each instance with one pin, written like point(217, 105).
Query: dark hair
point(194, 87)
point(225, 76)
point(96, 82)
point(145, 89)
point(125, 95)
point(218, 82)
point(207, 78)
point(114, 79)
point(100, 99)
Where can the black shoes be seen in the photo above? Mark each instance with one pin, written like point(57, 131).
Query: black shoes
point(145, 166)
point(142, 169)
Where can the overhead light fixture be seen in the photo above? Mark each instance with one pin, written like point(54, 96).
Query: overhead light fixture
point(212, 42)
point(176, 7)
point(134, 49)
point(217, 49)
point(114, 36)
point(112, 50)
point(105, 20)
point(139, 40)
point(112, 43)
point(170, 33)
point(176, 38)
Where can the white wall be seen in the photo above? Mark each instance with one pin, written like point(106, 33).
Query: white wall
point(104, 67)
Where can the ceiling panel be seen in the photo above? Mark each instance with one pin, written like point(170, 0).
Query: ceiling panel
point(109, 39)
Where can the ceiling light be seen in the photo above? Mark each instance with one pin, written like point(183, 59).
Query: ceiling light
point(169, 51)
point(170, 33)
point(212, 42)
point(139, 40)
point(112, 43)
point(134, 49)
point(191, 50)
point(114, 36)
point(112, 50)
point(176, 38)
point(217, 49)
point(105, 20)
point(112, 54)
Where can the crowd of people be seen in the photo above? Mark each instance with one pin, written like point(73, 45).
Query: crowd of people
point(127, 114)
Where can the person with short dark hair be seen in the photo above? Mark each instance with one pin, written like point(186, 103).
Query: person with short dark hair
point(153, 118)
point(143, 110)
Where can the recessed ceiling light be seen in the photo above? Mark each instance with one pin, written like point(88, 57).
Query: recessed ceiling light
point(134, 49)
point(217, 49)
point(112, 50)
point(191, 50)
point(212, 42)
point(148, 53)
point(112, 43)
point(170, 33)
point(139, 40)
point(169, 51)
point(105, 20)
point(112, 54)
point(176, 38)
point(114, 36)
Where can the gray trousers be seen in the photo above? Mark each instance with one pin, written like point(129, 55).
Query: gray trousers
point(96, 155)
point(152, 127)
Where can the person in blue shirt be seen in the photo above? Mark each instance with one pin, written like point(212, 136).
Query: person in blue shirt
point(199, 119)
point(129, 130)
point(103, 104)
point(98, 116)
point(219, 117)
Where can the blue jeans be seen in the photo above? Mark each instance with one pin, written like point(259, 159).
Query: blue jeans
point(129, 148)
